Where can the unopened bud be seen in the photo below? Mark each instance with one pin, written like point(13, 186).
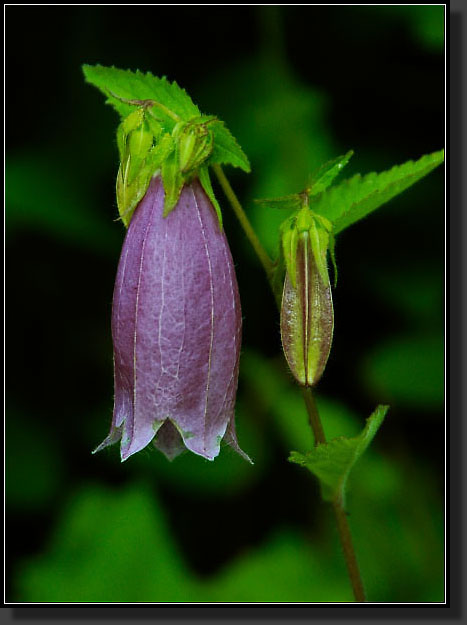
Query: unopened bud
point(195, 146)
point(307, 317)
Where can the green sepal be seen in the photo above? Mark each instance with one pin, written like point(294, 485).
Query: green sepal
point(159, 152)
point(172, 180)
point(289, 240)
point(129, 195)
point(332, 462)
point(205, 181)
point(319, 230)
point(134, 141)
point(332, 254)
point(139, 159)
point(195, 143)
point(129, 123)
point(319, 239)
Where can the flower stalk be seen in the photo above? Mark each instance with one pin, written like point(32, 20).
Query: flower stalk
point(263, 256)
point(311, 407)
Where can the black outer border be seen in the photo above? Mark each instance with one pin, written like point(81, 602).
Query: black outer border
point(455, 607)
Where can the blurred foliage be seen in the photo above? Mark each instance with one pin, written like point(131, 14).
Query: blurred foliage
point(407, 370)
point(307, 83)
point(59, 205)
point(427, 26)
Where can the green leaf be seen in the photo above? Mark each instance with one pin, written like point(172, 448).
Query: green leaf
point(226, 150)
point(332, 462)
point(356, 197)
point(166, 108)
point(139, 86)
point(321, 179)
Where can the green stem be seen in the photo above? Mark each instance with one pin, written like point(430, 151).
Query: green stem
point(349, 551)
point(243, 219)
point(313, 415)
point(339, 512)
point(312, 409)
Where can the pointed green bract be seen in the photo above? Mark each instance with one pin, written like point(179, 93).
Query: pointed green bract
point(172, 180)
point(332, 462)
point(325, 175)
point(140, 158)
point(205, 181)
point(134, 141)
point(353, 199)
point(319, 231)
point(195, 144)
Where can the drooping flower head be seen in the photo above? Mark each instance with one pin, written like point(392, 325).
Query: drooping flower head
point(176, 318)
point(176, 329)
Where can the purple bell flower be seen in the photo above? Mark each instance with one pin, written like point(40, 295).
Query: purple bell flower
point(176, 328)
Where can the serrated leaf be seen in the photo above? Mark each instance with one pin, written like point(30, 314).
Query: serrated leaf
point(139, 86)
point(356, 197)
point(175, 105)
point(332, 462)
point(325, 175)
point(226, 150)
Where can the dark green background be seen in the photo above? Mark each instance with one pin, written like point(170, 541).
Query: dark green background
point(296, 86)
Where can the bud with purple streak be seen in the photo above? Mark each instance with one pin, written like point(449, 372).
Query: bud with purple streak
point(307, 318)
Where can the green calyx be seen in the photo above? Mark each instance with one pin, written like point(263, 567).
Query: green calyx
point(146, 149)
point(162, 131)
point(318, 230)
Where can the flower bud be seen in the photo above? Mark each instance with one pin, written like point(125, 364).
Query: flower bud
point(307, 317)
point(195, 146)
point(176, 329)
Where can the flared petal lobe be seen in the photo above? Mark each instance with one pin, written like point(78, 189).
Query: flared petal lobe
point(176, 329)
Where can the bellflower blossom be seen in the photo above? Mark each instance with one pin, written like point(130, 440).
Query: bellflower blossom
point(176, 329)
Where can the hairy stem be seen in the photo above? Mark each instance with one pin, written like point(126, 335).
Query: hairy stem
point(313, 415)
point(339, 511)
point(244, 221)
point(349, 551)
point(312, 409)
